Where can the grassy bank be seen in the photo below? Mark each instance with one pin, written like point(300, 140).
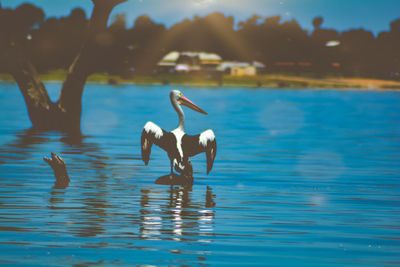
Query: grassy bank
point(267, 80)
point(282, 80)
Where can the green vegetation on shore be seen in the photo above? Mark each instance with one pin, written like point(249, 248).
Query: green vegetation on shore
point(266, 80)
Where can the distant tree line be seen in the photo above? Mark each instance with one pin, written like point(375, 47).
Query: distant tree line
point(52, 43)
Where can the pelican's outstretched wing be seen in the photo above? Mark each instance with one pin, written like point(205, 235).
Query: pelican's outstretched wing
point(153, 134)
point(204, 142)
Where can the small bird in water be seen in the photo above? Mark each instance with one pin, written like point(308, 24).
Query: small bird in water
point(179, 146)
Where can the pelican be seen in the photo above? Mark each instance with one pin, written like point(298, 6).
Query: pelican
point(179, 146)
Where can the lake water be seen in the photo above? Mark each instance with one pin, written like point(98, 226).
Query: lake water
point(301, 178)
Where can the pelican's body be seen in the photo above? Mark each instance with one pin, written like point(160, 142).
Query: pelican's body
point(179, 146)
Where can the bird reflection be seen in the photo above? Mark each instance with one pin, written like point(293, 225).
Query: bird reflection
point(210, 198)
point(178, 217)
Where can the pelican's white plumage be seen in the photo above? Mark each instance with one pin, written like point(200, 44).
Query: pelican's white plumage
point(205, 137)
point(156, 130)
point(176, 143)
point(179, 133)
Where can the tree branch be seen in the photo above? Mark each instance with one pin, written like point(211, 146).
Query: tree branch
point(60, 171)
point(71, 92)
point(35, 95)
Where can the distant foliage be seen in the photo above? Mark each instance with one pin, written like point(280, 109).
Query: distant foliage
point(52, 43)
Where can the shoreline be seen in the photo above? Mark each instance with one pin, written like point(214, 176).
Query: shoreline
point(274, 81)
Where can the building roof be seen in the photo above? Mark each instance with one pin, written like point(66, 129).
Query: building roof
point(202, 55)
point(206, 58)
point(170, 57)
point(209, 56)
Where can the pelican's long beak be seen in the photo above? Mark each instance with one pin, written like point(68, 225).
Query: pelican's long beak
point(186, 102)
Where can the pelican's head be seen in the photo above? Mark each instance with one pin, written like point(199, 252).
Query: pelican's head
point(177, 97)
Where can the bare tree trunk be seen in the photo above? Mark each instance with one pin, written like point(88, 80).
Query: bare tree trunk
point(64, 115)
point(35, 95)
point(71, 92)
point(59, 167)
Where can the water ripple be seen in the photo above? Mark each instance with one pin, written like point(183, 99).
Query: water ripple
point(301, 178)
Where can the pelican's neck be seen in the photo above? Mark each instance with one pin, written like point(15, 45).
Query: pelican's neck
point(181, 116)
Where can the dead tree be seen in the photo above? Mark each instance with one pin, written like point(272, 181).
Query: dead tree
point(59, 167)
point(65, 114)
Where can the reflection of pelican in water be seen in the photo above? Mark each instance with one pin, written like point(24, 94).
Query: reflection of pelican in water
point(178, 218)
point(179, 145)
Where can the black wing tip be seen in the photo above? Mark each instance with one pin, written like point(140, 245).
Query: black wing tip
point(211, 153)
point(209, 168)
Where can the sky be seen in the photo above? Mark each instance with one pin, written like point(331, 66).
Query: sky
point(342, 15)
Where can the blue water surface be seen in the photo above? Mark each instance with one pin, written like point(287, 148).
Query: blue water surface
point(301, 178)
